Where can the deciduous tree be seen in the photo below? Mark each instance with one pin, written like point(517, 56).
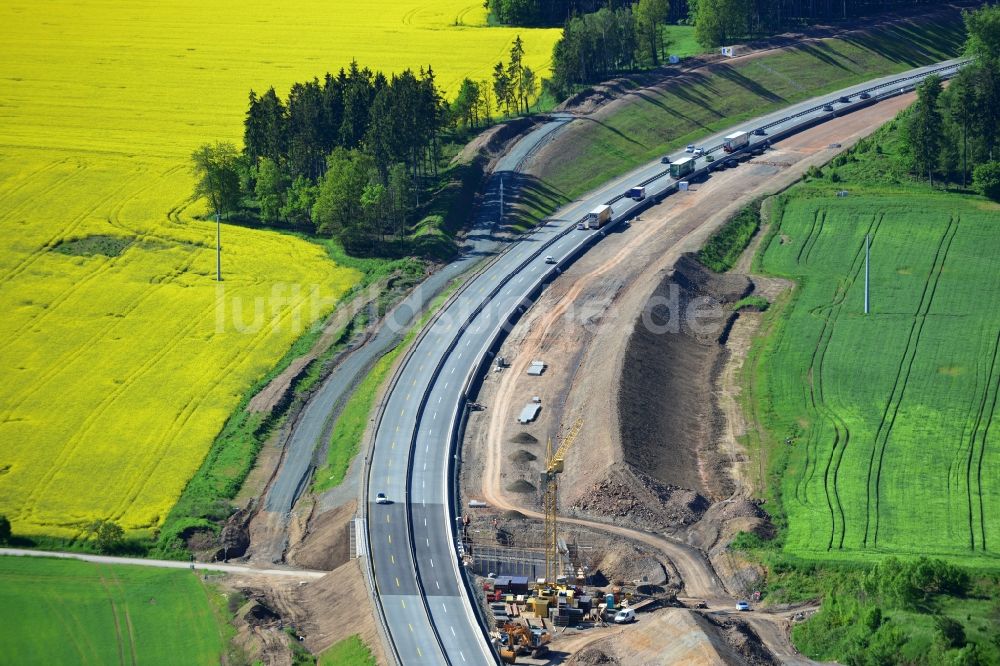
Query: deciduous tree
point(216, 171)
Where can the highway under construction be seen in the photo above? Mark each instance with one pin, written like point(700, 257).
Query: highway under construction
point(433, 606)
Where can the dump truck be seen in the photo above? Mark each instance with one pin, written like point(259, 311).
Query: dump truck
point(736, 141)
point(598, 217)
point(682, 167)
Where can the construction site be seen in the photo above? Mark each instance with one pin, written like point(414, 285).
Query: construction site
point(603, 476)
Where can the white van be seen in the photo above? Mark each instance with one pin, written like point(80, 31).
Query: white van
point(625, 616)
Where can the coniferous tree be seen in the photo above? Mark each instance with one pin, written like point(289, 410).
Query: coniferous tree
point(925, 128)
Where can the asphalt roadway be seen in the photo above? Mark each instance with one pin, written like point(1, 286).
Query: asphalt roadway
point(317, 416)
point(412, 541)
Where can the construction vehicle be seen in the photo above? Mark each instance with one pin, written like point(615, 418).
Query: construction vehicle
point(517, 639)
point(682, 167)
point(735, 141)
point(554, 467)
point(598, 217)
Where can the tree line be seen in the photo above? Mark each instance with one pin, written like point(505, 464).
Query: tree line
point(607, 42)
point(512, 89)
point(347, 156)
point(723, 22)
point(954, 133)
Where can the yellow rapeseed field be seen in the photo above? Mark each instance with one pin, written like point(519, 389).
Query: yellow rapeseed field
point(118, 371)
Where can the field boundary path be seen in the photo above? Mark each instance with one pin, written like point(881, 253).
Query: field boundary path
point(163, 564)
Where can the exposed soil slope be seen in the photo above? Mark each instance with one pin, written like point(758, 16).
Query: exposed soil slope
point(665, 401)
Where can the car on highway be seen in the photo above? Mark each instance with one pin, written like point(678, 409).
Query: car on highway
point(760, 131)
point(828, 107)
point(665, 159)
point(381, 499)
point(699, 151)
point(742, 605)
point(865, 95)
point(844, 100)
point(690, 148)
point(581, 226)
point(625, 616)
point(550, 259)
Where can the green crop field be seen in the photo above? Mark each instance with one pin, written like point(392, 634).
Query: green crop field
point(884, 423)
point(69, 612)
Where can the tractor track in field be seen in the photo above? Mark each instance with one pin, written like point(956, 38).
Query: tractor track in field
point(872, 232)
point(805, 243)
point(162, 445)
point(992, 384)
point(888, 420)
point(71, 227)
point(842, 434)
point(89, 423)
point(28, 179)
point(60, 364)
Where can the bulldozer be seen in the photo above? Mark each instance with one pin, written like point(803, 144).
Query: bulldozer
point(517, 639)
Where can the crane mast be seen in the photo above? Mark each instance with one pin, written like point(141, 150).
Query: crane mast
point(553, 469)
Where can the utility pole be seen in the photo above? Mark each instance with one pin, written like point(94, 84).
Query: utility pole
point(501, 199)
point(867, 258)
point(218, 248)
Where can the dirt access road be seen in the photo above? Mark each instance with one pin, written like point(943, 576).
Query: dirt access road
point(580, 327)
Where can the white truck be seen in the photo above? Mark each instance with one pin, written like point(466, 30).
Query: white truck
point(598, 217)
point(736, 141)
point(682, 167)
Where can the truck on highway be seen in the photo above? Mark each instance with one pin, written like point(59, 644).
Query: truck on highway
point(637, 193)
point(598, 217)
point(735, 141)
point(682, 167)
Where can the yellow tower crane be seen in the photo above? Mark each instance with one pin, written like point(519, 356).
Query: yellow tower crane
point(553, 468)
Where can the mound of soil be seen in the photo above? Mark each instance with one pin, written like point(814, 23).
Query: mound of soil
point(624, 563)
point(522, 456)
point(521, 486)
point(633, 499)
point(744, 641)
point(596, 655)
point(524, 438)
point(665, 401)
point(327, 544)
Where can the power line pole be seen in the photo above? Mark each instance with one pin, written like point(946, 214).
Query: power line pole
point(218, 248)
point(867, 258)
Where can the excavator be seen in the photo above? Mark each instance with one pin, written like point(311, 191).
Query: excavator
point(518, 639)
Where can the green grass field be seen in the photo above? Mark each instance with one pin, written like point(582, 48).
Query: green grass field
point(882, 424)
point(349, 652)
point(69, 612)
point(710, 101)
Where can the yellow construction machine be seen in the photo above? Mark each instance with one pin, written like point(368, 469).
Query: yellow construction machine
point(518, 639)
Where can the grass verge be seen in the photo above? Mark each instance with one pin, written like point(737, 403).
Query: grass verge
point(351, 651)
point(348, 431)
point(724, 248)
